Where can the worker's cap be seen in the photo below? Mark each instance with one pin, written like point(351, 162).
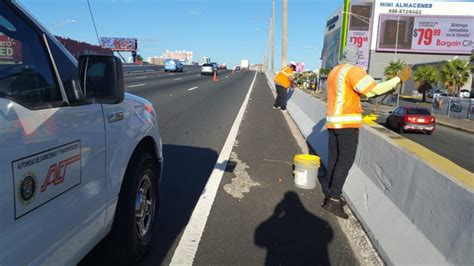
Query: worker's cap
point(350, 54)
point(292, 63)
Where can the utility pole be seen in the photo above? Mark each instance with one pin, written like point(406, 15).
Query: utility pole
point(267, 45)
point(272, 34)
point(284, 34)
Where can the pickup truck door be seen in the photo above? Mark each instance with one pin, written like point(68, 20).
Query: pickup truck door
point(52, 159)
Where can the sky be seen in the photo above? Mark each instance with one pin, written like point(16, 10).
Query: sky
point(225, 30)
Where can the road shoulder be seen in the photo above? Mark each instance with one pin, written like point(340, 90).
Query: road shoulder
point(259, 216)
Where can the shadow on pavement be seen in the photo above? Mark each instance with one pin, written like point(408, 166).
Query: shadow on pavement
point(294, 236)
point(185, 174)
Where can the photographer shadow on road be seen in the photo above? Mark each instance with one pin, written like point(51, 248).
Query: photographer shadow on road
point(294, 236)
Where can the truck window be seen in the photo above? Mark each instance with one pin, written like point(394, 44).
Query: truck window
point(26, 75)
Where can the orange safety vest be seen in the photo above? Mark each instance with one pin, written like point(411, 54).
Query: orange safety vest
point(282, 77)
point(345, 84)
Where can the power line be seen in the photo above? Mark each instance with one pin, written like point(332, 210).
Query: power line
point(93, 22)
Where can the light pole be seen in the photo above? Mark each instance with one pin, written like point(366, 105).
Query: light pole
point(284, 34)
point(272, 36)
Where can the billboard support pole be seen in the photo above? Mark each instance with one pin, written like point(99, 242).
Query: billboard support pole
point(118, 52)
point(396, 38)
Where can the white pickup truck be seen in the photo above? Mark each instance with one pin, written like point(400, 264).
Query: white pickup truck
point(79, 158)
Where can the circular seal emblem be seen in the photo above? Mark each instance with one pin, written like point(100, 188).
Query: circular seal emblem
point(27, 188)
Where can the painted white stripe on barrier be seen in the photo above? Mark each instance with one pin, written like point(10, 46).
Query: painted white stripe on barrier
point(193, 88)
point(189, 243)
point(137, 85)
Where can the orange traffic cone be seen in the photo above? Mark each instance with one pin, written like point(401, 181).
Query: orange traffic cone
point(215, 76)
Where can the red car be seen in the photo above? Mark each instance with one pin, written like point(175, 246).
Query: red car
point(415, 119)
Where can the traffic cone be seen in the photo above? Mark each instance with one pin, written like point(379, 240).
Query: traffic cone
point(215, 76)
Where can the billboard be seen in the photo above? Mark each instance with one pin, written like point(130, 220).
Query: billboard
point(332, 36)
point(359, 30)
point(119, 44)
point(419, 8)
point(426, 34)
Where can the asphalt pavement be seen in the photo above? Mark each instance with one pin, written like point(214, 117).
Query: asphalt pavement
point(259, 217)
point(273, 222)
point(195, 115)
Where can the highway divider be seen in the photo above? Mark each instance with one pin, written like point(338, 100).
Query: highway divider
point(416, 206)
point(131, 68)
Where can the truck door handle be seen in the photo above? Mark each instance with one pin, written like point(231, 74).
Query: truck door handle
point(115, 116)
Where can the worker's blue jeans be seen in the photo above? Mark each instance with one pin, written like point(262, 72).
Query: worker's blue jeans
point(342, 151)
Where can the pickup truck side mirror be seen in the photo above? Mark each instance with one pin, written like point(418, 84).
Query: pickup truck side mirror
point(101, 78)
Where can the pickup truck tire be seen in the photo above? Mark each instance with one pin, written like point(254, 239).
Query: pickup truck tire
point(136, 216)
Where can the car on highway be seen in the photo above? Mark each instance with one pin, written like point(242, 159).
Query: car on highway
point(415, 119)
point(81, 159)
point(216, 66)
point(237, 68)
point(223, 66)
point(208, 69)
point(173, 65)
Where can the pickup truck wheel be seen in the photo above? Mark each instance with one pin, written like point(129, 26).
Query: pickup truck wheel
point(137, 211)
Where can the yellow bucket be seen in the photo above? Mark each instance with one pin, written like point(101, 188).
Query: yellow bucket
point(305, 172)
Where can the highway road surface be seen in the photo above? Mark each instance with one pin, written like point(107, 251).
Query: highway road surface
point(195, 115)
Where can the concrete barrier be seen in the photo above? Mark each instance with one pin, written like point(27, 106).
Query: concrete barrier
point(416, 206)
point(131, 68)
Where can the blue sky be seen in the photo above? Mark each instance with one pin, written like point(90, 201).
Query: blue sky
point(225, 30)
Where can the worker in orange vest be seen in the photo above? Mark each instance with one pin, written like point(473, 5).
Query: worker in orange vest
point(283, 81)
point(346, 83)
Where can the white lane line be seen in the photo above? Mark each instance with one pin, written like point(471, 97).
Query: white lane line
point(143, 77)
point(198, 75)
point(188, 245)
point(137, 85)
point(193, 88)
point(226, 76)
point(178, 79)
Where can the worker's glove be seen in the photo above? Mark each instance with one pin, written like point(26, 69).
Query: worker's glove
point(404, 74)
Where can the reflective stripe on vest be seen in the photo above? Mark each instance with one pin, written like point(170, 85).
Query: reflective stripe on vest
point(341, 89)
point(342, 121)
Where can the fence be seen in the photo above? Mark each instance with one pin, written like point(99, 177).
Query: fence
point(453, 107)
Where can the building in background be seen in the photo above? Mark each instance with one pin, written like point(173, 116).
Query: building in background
point(332, 36)
point(156, 60)
point(413, 31)
point(183, 56)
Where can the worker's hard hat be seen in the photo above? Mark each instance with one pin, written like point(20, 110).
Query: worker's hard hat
point(292, 63)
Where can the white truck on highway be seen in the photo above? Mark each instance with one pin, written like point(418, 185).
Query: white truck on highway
point(244, 64)
point(80, 159)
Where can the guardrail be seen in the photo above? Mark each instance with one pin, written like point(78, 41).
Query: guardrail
point(453, 107)
point(415, 205)
point(131, 68)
